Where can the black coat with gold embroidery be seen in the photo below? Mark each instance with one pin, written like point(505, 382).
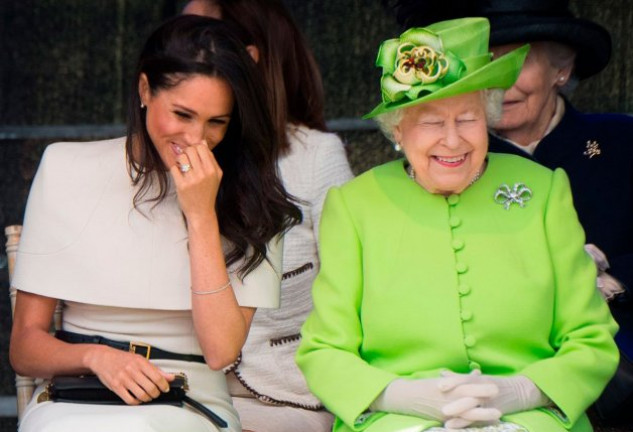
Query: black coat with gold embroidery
point(596, 151)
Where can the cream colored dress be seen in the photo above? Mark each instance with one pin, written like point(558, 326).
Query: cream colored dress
point(124, 275)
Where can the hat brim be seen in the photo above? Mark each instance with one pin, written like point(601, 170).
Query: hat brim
point(591, 41)
point(499, 73)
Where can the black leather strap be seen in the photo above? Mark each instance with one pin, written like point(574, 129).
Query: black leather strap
point(145, 350)
point(213, 417)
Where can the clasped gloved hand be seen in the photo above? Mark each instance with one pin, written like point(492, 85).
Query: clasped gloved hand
point(440, 398)
point(608, 286)
point(515, 393)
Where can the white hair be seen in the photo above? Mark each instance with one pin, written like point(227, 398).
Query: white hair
point(492, 99)
point(561, 56)
point(388, 121)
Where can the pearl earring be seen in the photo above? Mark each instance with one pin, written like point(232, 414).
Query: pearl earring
point(142, 105)
point(561, 79)
point(397, 147)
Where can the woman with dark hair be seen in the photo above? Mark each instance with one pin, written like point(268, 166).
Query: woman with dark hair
point(269, 391)
point(540, 123)
point(165, 241)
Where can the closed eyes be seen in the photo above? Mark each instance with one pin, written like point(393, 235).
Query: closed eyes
point(214, 121)
point(183, 114)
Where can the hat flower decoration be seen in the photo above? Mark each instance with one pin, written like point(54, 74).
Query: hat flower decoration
point(442, 60)
point(414, 63)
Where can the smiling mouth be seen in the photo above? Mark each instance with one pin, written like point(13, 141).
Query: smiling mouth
point(450, 161)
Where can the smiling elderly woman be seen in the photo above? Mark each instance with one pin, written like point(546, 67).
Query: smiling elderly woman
point(454, 290)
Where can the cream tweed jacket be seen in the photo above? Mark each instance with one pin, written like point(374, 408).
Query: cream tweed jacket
point(315, 163)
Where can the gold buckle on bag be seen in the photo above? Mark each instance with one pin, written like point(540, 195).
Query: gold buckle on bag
point(45, 395)
point(185, 379)
point(135, 345)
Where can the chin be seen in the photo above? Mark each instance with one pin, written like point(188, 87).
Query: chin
point(511, 120)
point(507, 125)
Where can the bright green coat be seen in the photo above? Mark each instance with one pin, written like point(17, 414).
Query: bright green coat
point(412, 283)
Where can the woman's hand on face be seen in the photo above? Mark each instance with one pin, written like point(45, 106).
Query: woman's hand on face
point(132, 377)
point(197, 176)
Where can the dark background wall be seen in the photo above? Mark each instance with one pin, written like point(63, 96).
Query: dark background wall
point(68, 62)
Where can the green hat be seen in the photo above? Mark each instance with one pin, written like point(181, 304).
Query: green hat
point(442, 60)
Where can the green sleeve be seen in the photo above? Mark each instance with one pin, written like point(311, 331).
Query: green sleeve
point(582, 331)
point(329, 353)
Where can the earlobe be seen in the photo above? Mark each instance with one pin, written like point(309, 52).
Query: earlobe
point(563, 75)
point(397, 135)
point(254, 52)
point(143, 89)
point(561, 79)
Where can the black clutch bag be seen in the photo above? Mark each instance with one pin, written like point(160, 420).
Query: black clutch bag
point(88, 389)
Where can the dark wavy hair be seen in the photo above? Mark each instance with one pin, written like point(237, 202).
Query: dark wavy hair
point(252, 205)
point(291, 74)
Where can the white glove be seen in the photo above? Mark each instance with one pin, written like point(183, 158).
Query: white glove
point(438, 398)
point(516, 393)
point(598, 256)
point(608, 286)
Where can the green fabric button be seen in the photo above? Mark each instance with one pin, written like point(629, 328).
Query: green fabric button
point(461, 267)
point(470, 341)
point(455, 221)
point(474, 365)
point(464, 289)
point(458, 244)
point(467, 315)
point(453, 199)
